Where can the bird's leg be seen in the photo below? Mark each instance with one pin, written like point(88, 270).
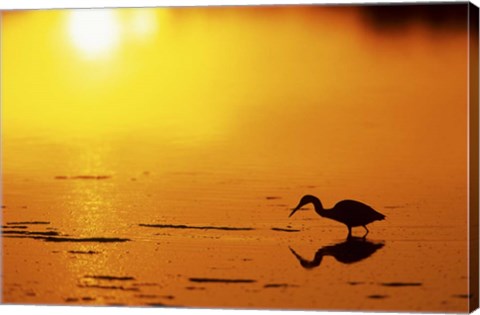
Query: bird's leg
point(365, 227)
point(349, 232)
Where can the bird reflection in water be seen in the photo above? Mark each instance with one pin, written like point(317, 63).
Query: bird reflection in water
point(348, 252)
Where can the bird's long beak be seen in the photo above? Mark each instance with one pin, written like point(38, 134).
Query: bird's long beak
point(293, 211)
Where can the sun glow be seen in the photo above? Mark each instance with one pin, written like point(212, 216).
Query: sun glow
point(94, 31)
point(144, 22)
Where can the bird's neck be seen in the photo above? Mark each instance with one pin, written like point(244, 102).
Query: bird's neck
point(319, 207)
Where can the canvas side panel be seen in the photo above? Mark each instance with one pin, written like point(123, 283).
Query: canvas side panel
point(474, 147)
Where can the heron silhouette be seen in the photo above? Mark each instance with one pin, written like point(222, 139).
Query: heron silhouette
point(348, 252)
point(349, 212)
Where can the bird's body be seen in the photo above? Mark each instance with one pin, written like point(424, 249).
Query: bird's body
point(349, 212)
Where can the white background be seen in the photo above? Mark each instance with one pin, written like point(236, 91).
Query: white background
point(40, 4)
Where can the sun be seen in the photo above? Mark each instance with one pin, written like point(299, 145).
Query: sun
point(94, 32)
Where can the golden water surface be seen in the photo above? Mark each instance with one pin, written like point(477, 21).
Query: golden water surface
point(152, 156)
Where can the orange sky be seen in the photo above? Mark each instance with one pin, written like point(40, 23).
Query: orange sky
point(98, 71)
point(281, 77)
